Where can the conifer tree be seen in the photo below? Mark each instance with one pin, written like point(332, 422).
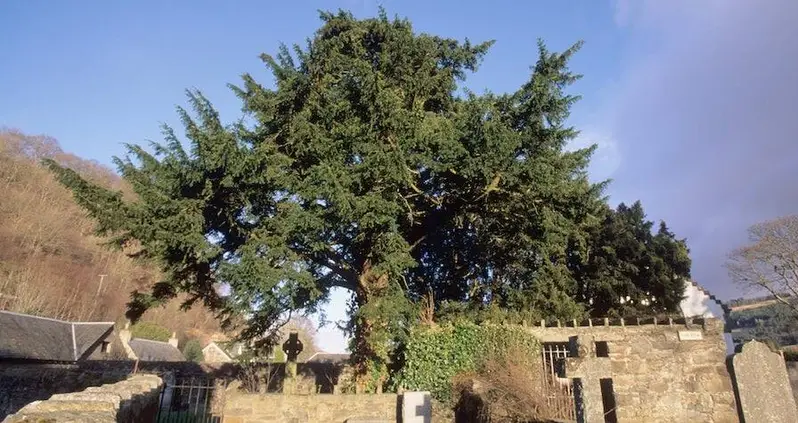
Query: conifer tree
point(630, 270)
point(365, 168)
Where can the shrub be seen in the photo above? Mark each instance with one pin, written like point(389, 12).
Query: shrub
point(193, 351)
point(151, 331)
point(507, 388)
point(433, 356)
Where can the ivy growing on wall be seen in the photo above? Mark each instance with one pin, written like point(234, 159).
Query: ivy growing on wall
point(434, 355)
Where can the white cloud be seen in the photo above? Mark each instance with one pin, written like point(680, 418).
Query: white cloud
point(607, 157)
point(695, 303)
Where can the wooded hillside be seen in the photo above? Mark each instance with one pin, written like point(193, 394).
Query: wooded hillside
point(50, 261)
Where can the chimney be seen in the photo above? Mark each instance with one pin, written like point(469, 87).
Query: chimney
point(124, 334)
point(124, 338)
point(173, 340)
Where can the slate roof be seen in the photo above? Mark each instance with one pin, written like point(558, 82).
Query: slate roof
point(328, 358)
point(29, 337)
point(147, 350)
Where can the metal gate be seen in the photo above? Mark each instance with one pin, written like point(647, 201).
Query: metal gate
point(559, 391)
point(189, 400)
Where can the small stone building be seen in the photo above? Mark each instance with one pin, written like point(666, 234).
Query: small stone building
point(651, 370)
point(223, 352)
point(29, 338)
point(149, 350)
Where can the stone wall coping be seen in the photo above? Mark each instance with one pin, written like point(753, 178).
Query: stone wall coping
point(94, 404)
point(604, 322)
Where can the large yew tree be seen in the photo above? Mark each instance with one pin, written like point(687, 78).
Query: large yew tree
point(366, 166)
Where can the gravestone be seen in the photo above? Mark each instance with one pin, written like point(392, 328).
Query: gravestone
point(763, 385)
point(588, 370)
point(416, 407)
point(292, 347)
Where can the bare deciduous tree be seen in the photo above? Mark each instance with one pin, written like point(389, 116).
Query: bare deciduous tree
point(770, 261)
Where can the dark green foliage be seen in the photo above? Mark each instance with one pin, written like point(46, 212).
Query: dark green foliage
point(363, 169)
point(149, 330)
point(193, 351)
point(773, 322)
point(626, 259)
point(433, 356)
point(790, 354)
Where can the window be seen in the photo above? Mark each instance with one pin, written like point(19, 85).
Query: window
point(608, 400)
point(602, 349)
point(105, 347)
point(554, 354)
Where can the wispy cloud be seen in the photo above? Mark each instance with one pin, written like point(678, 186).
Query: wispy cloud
point(705, 119)
point(607, 157)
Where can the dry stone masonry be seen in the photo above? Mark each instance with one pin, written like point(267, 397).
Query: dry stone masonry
point(653, 371)
point(279, 408)
point(763, 385)
point(129, 401)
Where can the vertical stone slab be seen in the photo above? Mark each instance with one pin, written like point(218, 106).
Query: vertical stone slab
point(587, 370)
point(416, 407)
point(763, 385)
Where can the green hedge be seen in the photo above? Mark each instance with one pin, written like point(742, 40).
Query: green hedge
point(193, 351)
point(151, 331)
point(433, 356)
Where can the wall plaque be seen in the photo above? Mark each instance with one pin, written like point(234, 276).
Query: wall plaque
point(690, 335)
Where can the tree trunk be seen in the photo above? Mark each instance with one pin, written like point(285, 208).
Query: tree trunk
point(369, 287)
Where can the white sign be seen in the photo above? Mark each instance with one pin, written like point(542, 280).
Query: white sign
point(690, 335)
point(416, 407)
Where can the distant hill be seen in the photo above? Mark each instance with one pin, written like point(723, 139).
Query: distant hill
point(50, 262)
point(764, 319)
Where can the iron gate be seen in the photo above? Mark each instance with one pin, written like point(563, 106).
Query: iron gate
point(559, 391)
point(189, 400)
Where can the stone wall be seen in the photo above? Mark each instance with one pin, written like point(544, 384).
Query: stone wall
point(792, 372)
point(25, 382)
point(21, 384)
point(279, 408)
point(661, 371)
point(132, 400)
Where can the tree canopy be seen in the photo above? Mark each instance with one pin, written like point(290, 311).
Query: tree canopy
point(769, 262)
point(367, 166)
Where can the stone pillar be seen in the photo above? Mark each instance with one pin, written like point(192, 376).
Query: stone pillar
point(588, 370)
point(173, 340)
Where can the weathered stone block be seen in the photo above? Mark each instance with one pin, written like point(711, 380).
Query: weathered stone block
point(723, 398)
point(124, 402)
point(109, 397)
point(78, 406)
point(416, 407)
point(763, 385)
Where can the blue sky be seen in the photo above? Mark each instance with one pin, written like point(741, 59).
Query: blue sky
point(692, 103)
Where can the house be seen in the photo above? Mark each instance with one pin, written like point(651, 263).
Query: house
point(149, 350)
point(333, 358)
point(221, 352)
point(227, 352)
point(32, 338)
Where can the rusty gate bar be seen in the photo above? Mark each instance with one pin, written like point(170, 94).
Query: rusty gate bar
point(559, 391)
point(187, 400)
